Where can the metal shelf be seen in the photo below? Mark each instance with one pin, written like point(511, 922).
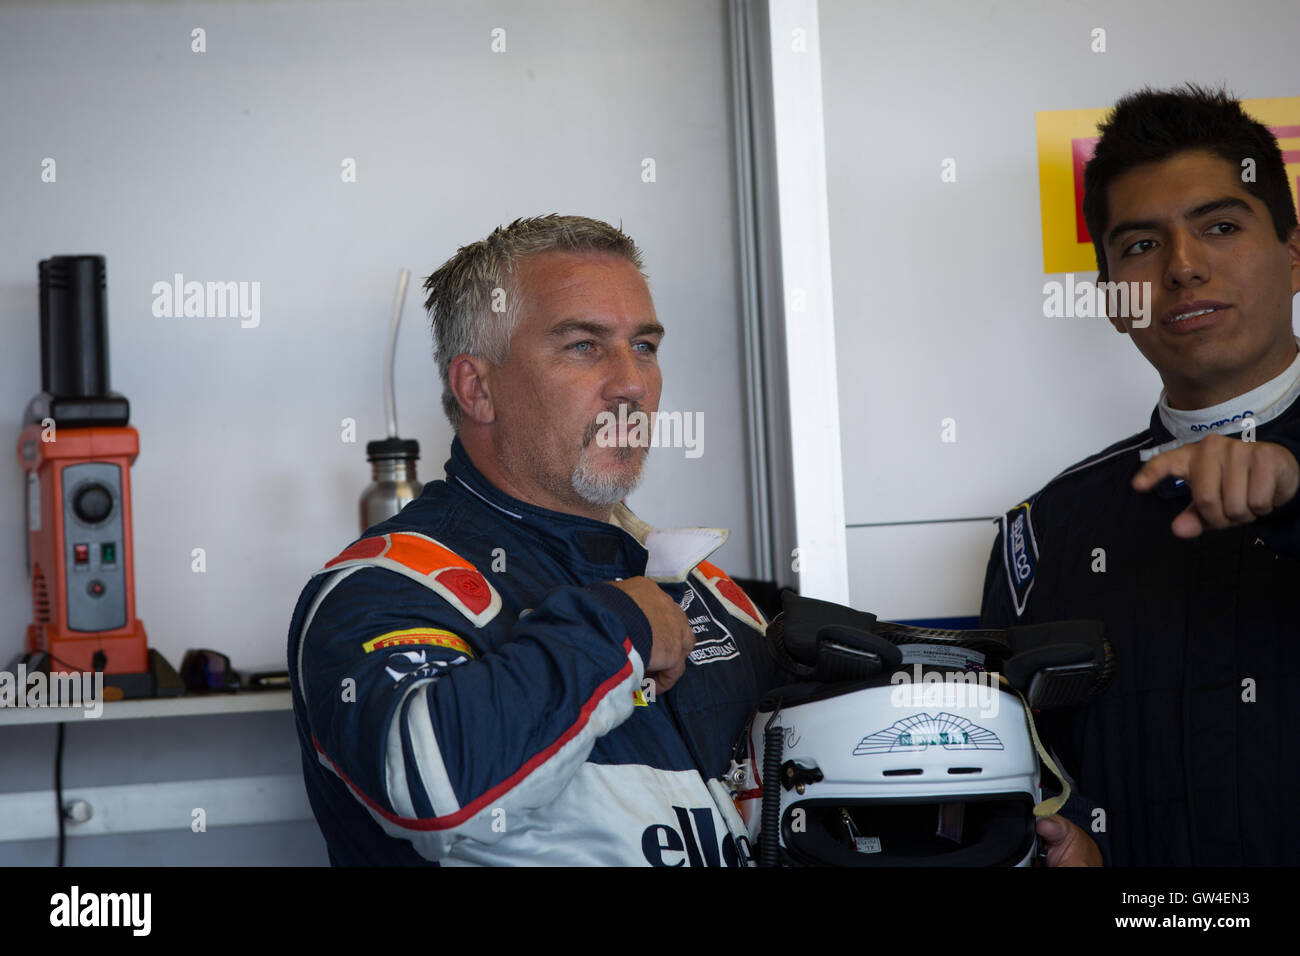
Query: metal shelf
point(186, 706)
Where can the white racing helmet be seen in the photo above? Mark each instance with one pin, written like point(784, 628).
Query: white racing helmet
point(907, 746)
point(899, 775)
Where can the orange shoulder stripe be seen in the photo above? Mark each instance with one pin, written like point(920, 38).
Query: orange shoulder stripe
point(729, 589)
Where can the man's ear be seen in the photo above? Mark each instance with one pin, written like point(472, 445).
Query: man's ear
point(470, 379)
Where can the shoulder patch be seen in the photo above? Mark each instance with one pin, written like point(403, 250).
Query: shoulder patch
point(423, 636)
point(427, 562)
point(729, 593)
point(1019, 554)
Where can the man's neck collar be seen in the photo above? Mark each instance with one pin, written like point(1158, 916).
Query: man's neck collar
point(672, 553)
point(461, 468)
point(488, 465)
point(1172, 427)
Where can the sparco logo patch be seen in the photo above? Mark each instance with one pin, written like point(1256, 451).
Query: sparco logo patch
point(1019, 553)
point(1019, 556)
point(1209, 426)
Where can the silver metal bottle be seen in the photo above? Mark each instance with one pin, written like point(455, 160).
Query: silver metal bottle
point(393, 479)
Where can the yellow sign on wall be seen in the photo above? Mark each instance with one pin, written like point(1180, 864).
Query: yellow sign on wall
point(1066, 139)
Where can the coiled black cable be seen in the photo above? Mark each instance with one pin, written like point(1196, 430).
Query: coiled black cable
point(769, 853)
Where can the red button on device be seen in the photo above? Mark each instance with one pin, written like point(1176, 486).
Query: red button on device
point(82, 553)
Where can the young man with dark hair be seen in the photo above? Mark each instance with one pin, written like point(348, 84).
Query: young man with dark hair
point(1185, 538)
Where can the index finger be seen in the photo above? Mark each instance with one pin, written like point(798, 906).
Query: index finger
point(1162, 466)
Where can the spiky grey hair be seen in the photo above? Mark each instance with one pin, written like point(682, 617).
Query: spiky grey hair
point(473, 302)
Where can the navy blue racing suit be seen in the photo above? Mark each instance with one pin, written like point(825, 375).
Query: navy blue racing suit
point(467, 688)
point(1189, 752)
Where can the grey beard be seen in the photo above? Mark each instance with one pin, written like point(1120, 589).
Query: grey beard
point(604, 489)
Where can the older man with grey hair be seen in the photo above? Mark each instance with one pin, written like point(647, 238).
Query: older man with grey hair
point(515, 668)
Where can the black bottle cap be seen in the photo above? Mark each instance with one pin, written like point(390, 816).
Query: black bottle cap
point(393, 448)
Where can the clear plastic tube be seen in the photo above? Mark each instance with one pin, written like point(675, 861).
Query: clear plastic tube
point(390, 393)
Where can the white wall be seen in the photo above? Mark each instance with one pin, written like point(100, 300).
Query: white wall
point(938, 286)
point(226, 166)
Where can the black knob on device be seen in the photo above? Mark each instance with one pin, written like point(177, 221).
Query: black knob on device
point(93, 504)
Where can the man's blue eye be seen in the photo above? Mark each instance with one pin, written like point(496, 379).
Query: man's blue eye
point(580, 346)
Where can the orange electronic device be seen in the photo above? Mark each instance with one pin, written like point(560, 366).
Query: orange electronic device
point(76, 450)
